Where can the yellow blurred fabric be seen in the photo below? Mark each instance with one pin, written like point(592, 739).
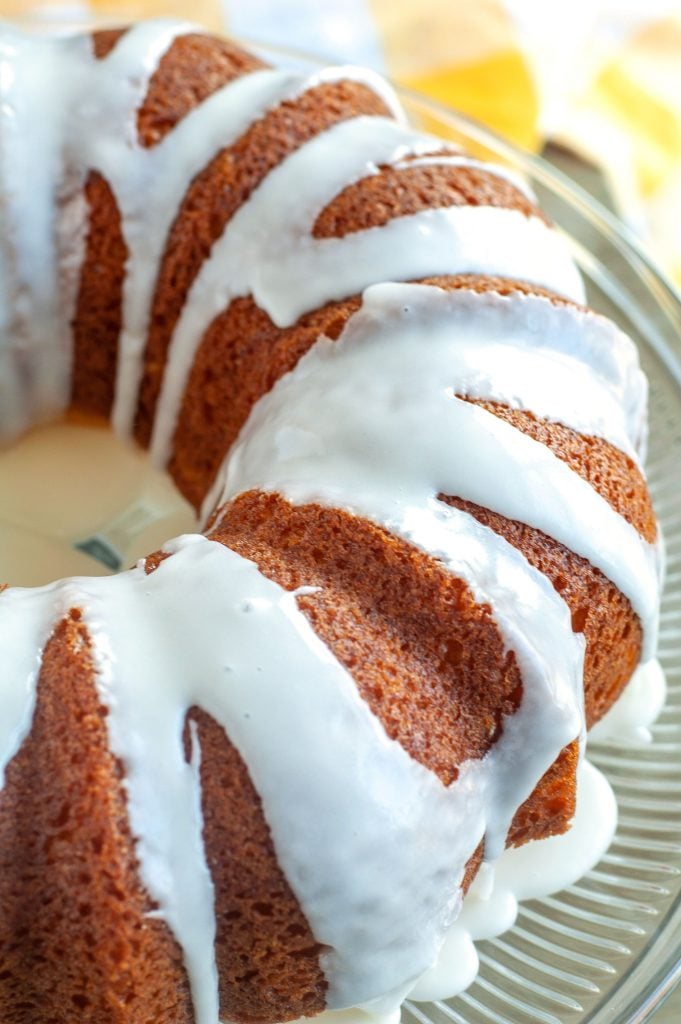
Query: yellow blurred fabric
point(603, 77)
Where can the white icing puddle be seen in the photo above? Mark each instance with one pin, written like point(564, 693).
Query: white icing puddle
point(491, 906)
point(76, 500)
point(532, 871)
point(537, 869)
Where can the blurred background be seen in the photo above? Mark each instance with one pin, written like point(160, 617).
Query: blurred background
point(594, 85)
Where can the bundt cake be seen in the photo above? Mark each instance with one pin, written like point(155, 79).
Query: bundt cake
point(250, 778)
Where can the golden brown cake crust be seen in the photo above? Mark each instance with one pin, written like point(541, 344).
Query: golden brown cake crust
point(267, 956)
point(611, 629)
point(76, 941)
point(98, 317)
point(400, 192)
point(428, 660)
point(242, 355)
point(215, 196)
point(195, 66)
point(104, 41)
point(425, 657)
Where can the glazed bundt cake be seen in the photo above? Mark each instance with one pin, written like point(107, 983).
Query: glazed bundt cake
point(250, 778)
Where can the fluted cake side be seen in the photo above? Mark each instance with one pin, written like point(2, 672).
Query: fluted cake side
point(252, 777)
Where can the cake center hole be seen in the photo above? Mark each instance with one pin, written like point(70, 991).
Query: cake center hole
point(75, 500)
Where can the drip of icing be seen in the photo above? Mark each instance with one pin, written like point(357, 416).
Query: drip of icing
point(488, 240)
point(334, 829)
point(530, 872)
point(630, 718)
point(490, 908)
point(212, 126)
point(369, 802)
point(39, 266)
point(278, 218)
point(92, 127)
point(54, 101)
point(560, 362)
point(378, 406)
point(268, 249)
point(147, 219)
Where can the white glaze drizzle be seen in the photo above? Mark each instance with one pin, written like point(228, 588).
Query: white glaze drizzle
point(491, 905)
point(56, 100)
point(88, 123)
point(288, 272)
point(528, 872)
point(268, 249)
point(172, 165)
point(366, 804)
point(560, 362)
point(636, 709)
point(532, 871)
point(147, 219)
point(40, 255)
point(92, 127)
point(378, 406)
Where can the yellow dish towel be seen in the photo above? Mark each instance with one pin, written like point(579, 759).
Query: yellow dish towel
point(601, 76)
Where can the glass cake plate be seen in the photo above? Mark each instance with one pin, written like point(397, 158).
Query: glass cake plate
point(606, 950)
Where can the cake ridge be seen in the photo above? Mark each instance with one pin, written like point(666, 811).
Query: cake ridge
point(315, 271)
point(387, 422)
point(351, 796)
point(308, 440)
point(189, 147)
